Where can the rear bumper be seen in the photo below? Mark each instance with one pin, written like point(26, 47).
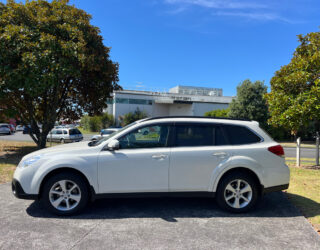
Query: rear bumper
point(18, 191)
point(275, 188)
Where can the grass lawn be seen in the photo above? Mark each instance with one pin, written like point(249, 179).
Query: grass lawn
point(10, 154)
point(304, 190)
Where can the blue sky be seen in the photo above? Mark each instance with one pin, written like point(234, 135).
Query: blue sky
point(209, 43)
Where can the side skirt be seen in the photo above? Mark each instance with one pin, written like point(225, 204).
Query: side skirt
point(153, 194)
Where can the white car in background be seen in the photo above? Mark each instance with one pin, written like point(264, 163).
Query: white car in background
point(5, 129)
point(104, 133)
point(234, 161)
point(63, 135)
point(19, 128)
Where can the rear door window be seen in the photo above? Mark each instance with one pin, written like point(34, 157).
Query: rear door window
point(239, 135)
point(193, 135)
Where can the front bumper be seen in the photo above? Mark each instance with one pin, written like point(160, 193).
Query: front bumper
point(18, 191)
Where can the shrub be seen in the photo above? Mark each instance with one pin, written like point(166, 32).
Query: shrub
point(107, 120)
point(95, 124)
point(85, 122)
point(132, 117)
point(218, 113)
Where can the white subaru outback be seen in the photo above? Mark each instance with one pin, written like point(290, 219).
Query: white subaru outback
point(234, 161)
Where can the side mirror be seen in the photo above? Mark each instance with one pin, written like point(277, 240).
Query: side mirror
point(113, 145)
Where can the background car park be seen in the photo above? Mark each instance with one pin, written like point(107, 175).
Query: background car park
point(64, 135)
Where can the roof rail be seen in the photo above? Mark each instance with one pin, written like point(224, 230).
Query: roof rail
point(204, 117)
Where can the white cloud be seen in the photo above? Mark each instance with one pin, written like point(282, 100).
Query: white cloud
point(218, 4)
point(233, 8)
point(263, 16)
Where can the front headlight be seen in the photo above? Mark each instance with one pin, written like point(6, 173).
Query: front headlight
point(29, 161)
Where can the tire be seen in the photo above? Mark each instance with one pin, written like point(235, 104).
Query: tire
point(62, 141)
point(233, 200)
point(77, 197)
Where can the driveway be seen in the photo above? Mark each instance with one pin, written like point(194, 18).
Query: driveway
point(161, 223)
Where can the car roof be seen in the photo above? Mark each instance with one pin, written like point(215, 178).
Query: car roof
point(199, 119)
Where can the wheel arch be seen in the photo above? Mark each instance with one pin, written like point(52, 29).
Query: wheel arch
point(67, 170)
point(242, 169)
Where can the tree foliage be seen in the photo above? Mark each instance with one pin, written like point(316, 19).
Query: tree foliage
point(53, 64)
point(294, 100)
point(250, 102)
point(218, 113)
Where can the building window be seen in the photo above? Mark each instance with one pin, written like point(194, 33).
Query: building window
point(122, 100)
point(130, 101)
point(109, 101)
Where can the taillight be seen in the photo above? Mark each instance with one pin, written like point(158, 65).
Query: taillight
point(277, 150)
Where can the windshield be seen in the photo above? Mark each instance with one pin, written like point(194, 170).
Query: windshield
point(98, 142)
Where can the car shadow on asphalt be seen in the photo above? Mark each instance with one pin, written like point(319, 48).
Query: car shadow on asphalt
point(170, 209)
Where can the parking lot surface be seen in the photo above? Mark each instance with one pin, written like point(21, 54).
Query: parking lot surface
point(160, 223)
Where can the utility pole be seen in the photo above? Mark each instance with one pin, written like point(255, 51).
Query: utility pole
point(317, 148)
point(298, 152)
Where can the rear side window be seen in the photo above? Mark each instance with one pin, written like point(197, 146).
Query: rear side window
point(65, 132)
point(59, 132)
point(74, 132)
point(198, 135)
point(239, 135)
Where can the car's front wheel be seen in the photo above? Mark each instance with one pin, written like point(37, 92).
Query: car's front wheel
point(237, 192)
point(65, 193)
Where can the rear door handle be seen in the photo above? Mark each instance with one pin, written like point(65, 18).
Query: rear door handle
point(161, 156)
point(220, 154)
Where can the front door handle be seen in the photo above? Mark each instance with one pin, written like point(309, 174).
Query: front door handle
point(220, 154)
point(161, 156)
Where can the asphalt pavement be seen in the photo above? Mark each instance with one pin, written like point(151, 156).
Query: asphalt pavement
point(160, 223)
point(289, 152)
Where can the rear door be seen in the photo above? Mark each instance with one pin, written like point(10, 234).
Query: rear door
point(198, 149)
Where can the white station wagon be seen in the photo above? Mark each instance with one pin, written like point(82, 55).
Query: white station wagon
point(234, 161)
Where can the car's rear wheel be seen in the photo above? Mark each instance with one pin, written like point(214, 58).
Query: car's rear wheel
point(237, 192)
point(62, 141)
point(65, 194)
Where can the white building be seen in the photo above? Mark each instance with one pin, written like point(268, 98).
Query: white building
point(180, 100)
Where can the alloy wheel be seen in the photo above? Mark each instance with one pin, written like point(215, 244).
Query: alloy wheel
point(238, 193)
point(65, 195)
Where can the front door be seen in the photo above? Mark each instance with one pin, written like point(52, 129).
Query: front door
point(140, 165)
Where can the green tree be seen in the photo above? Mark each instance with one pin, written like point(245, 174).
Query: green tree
point(132, 117)
point(294, 100)
point(218, 113)
point(250, 102)
point(53, 64)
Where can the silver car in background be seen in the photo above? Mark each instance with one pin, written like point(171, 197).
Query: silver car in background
point(104, 133)
point(5, 129)
point(63, 135)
